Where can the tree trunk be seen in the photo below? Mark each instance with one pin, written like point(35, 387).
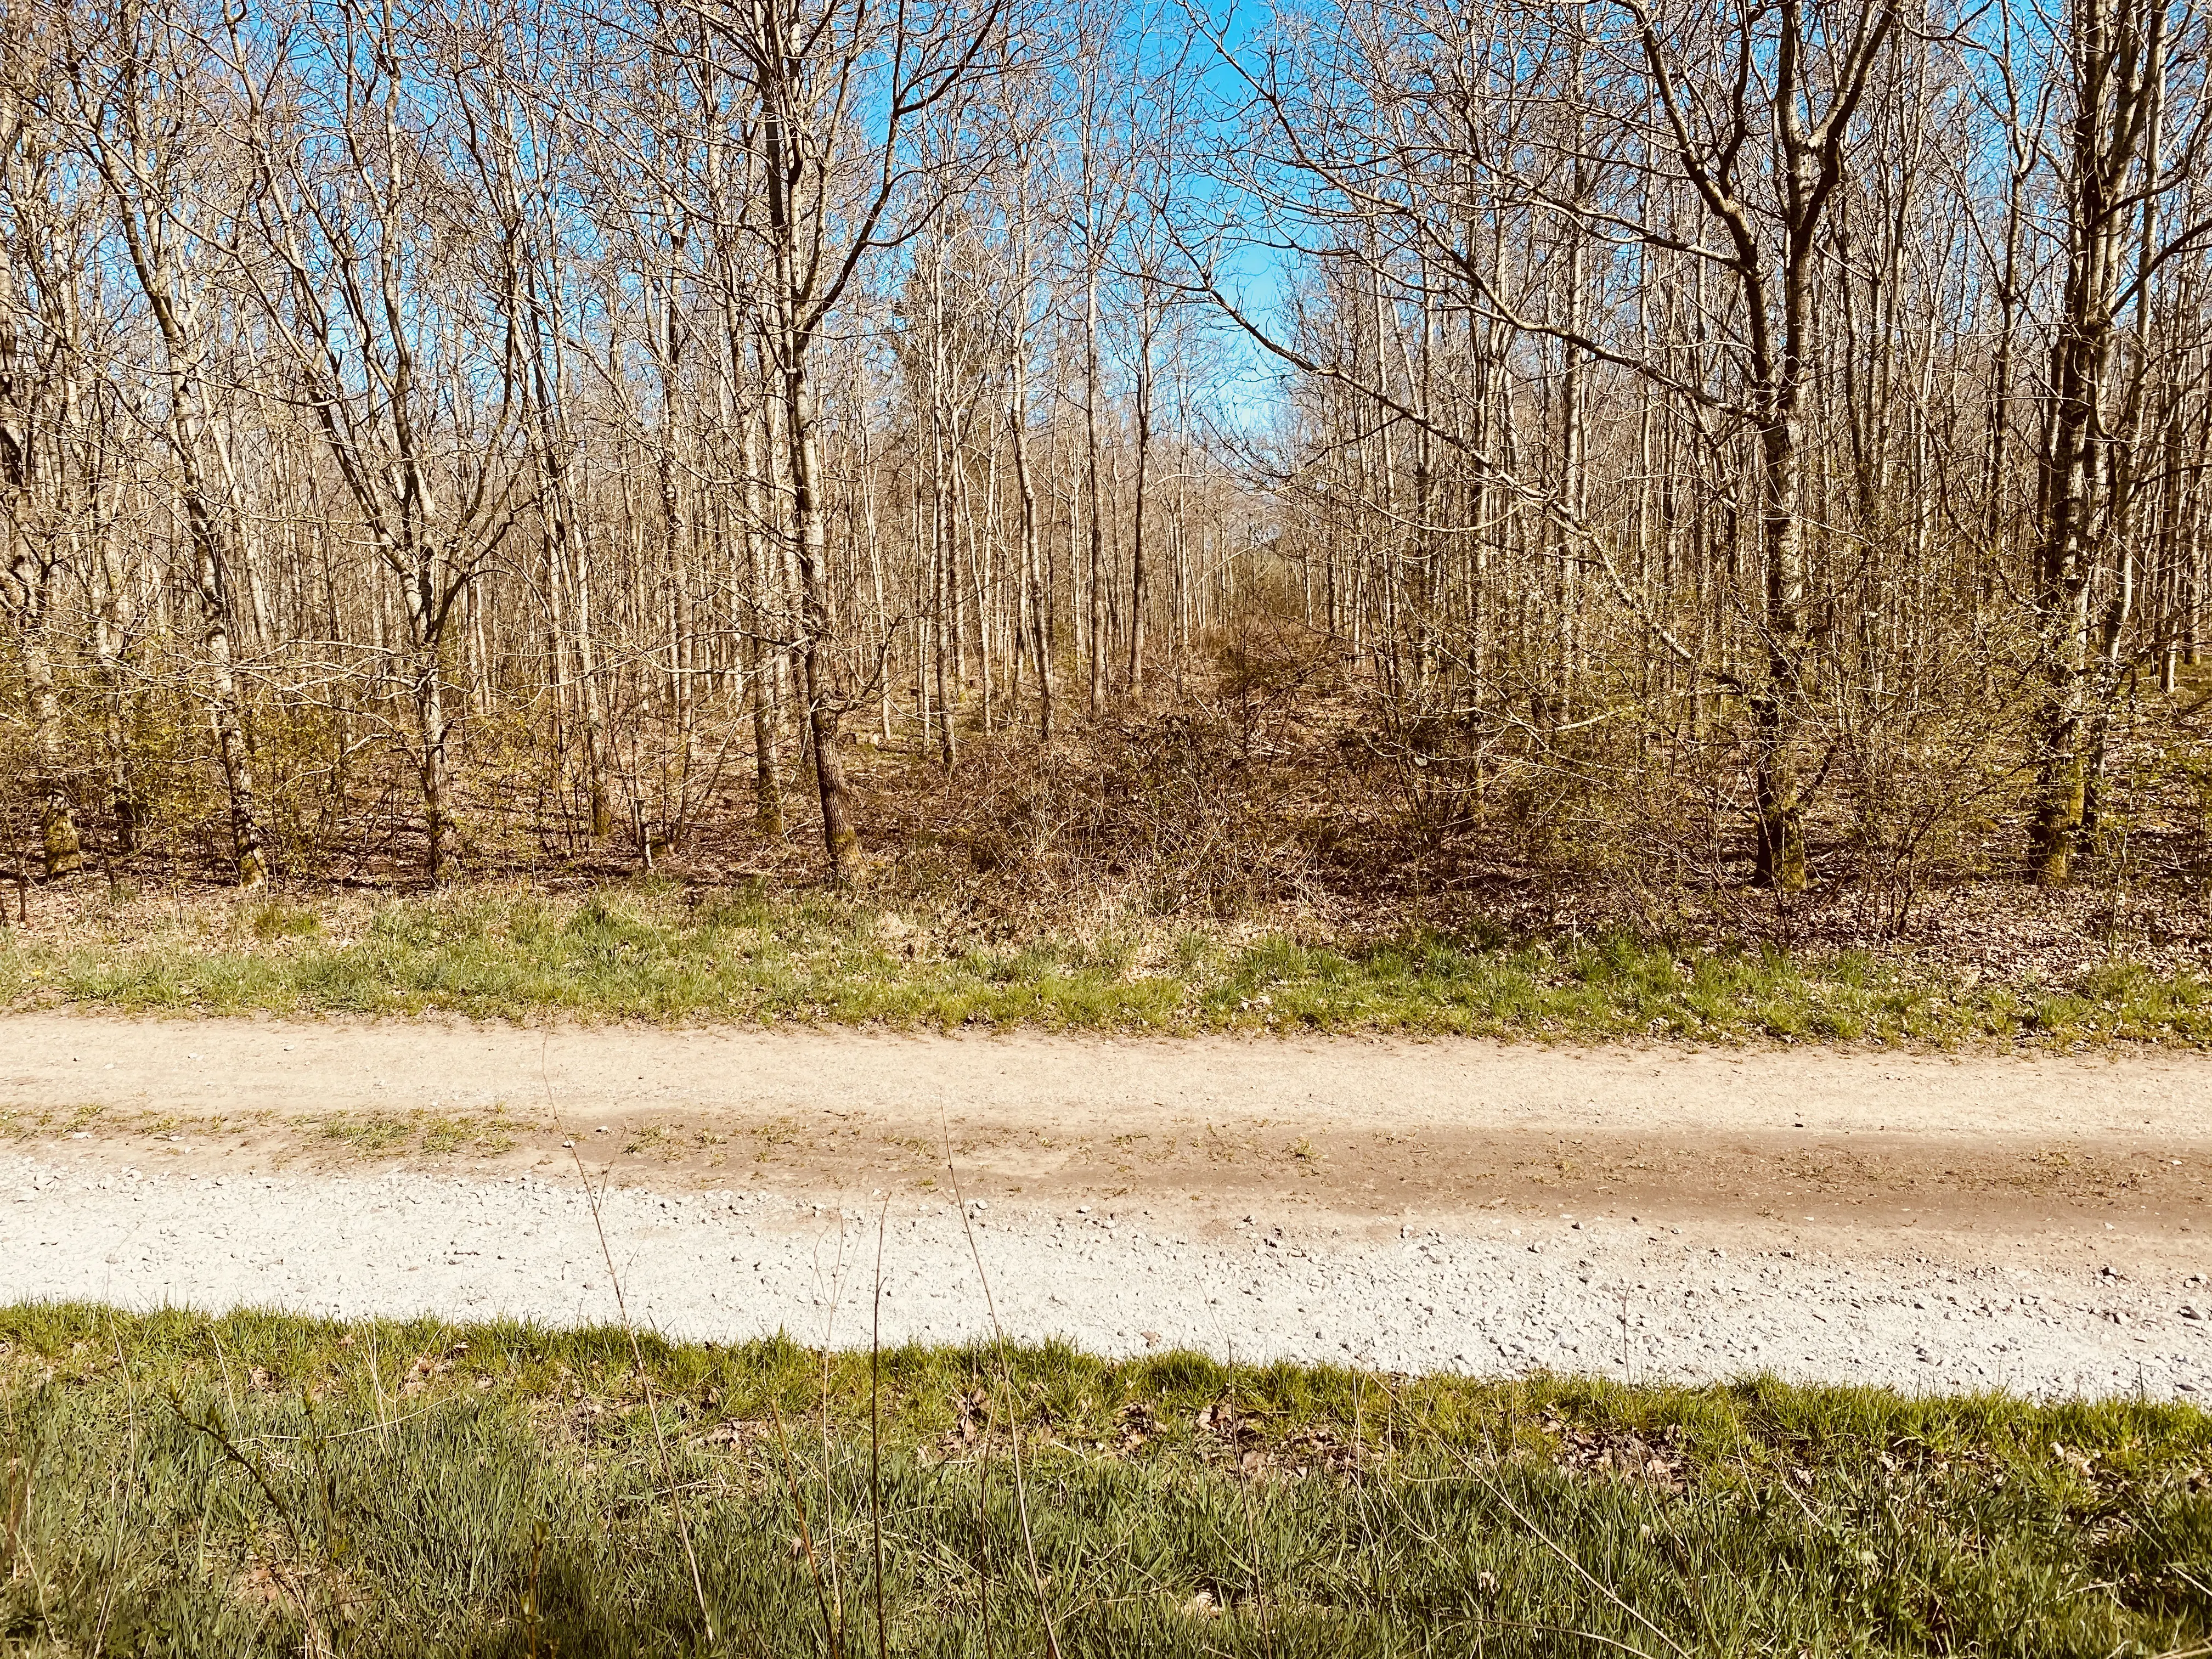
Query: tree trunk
point(1031, 589)
point(432, 730)
point(110, 637)
point(590, 691)
point(2076, 475)
point(840, 839)
point(248, 843)
point(437, 790)
point(768, 780)
point(1776, 702)
point(1140, 597)
point(1097, 515)
point(62, 850)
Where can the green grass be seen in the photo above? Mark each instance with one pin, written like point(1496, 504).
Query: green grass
point(368, 1132)
point(175, 1484)
point(654, 952)
point(432, 1133)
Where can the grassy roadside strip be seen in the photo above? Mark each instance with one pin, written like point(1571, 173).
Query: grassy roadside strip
point(255, 1484)
point(740, 955)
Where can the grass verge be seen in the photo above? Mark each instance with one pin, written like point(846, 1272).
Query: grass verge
point(659, 952)
point(250, 1483)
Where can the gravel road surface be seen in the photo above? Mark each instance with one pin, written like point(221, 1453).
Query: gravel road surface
point(1924, 1223)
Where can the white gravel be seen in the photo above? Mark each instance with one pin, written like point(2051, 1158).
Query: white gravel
point(1494, 1298)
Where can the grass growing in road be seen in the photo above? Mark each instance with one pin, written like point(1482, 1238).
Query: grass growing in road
point(255, 1484)
point(658, 952)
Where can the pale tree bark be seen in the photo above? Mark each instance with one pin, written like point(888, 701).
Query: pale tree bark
point(389, 334)
point(2115, 60)
point(837, 184)
point(1776, 289)
point(30, 381)
point(1035, 623)
point(1140, 586)
point(142, 128)
point(1094, 497)
point(768, 780)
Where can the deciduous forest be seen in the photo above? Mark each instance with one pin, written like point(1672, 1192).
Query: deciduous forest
point(1352, 455)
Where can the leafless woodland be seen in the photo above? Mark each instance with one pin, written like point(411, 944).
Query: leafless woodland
point(1735, 442)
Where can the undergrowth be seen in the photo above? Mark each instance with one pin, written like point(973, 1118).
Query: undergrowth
point(657, 951)
point(254, 1483)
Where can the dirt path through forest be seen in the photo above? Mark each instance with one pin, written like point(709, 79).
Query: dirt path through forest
point(1421, 1203)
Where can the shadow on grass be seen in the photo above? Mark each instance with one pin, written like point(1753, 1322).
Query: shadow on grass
point(255, 1484)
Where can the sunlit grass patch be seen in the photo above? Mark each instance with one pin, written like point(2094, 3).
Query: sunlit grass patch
point(432, 1133)
point(654, 951)
point(368, 1132)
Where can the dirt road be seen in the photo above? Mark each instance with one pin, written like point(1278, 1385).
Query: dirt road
point(1926, 1221)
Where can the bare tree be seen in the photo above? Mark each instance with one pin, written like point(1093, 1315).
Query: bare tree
point(43, 374)
point(178, 201)
point(838, 90)
point(410, 367)
point(2112, 65)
